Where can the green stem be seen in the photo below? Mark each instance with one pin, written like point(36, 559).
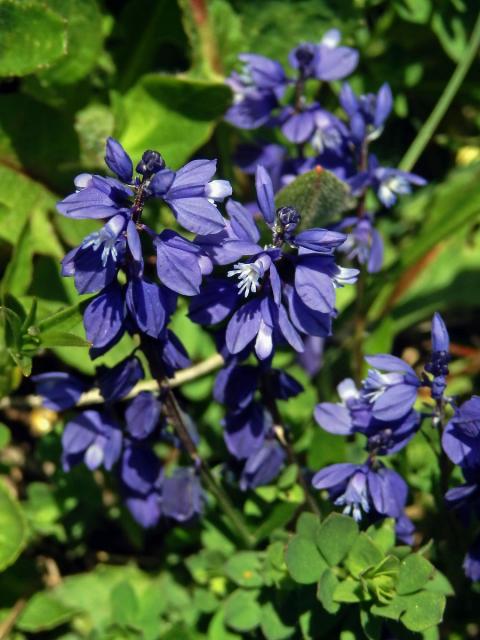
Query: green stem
point(235, 517)
point(426, 132)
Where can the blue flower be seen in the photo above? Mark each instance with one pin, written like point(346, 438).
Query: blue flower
point(116, 382)
point(437, 365)
point(460, 439)
point(387, 183)
point(326, 60)
point(190, 193)
point(182, 496)
point(391, 394)
point(142, 476)
point(471, 564)
point(143, 415)
point(363, 242)
point(284, 289)
point(59, 390)
point(362, 489)
point(256, 90)
point(367, 113)
point(93, 438)
point(355, 415)
point(263, 465)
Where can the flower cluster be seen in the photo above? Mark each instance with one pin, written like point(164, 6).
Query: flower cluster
point(283, 290)
point(271, 294)
point(382, 411)
point(260, 277)
point(266, 96)
point(121, 436)
point(141, 304)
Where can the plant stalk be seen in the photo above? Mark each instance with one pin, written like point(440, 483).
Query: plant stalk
point(235, 517)
point(428, 129)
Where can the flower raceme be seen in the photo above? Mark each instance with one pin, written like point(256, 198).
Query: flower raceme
point(191, 195)
point(276, 292)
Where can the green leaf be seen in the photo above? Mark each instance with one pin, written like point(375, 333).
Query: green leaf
point(383, 534)
point(439, 584)
point(84, 35)
point(363, 555)
point(5, 435)
point(22, 196)
point(242, 611)
point(415, 571)
point(381, 580)
point(288, 477)
point(326, 589)
point(417, 611)
point(244, 569)
point(273, 628)
point(371, 626)
point(307, 525)
point(125, 605)
point(43, 612)
point(13, 529)
point(303, 560)
point(62, 339)
point(33, 37)
point(336, 536)
point(417, 11)
point(20, 268)
point(452, 33)
point(172, 114)
point(217, 629)
point(318, 195)
point(350, 590)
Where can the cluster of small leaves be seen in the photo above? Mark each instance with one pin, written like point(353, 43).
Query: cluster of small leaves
point(365, 568)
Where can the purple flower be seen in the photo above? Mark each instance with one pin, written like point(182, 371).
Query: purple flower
point(311, 359)
point(325, 61)
point(437, 365)
point(93, 438)
point(460, 439)
point(182, 495)
point(141, 473)
point(149, 305)
point(367, 113)
point(387, 183)
point(363, 242)
point(263, 465)
point(298, 126)
point(192, 196)
point(391, 394)
point(146, 510)
point(245, 429)
point(104, 319)
point(59, 390)
point(471, 564)
point(116, 382)
point(271, 156)
point(256, 90)
point(92, 269)
point(362, 489)
point(285, 292)
point(355, 415)
point(142, 415)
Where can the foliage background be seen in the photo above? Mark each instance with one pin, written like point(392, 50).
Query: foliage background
point(72, 73)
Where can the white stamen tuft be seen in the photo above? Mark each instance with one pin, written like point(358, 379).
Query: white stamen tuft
point(249, 275)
